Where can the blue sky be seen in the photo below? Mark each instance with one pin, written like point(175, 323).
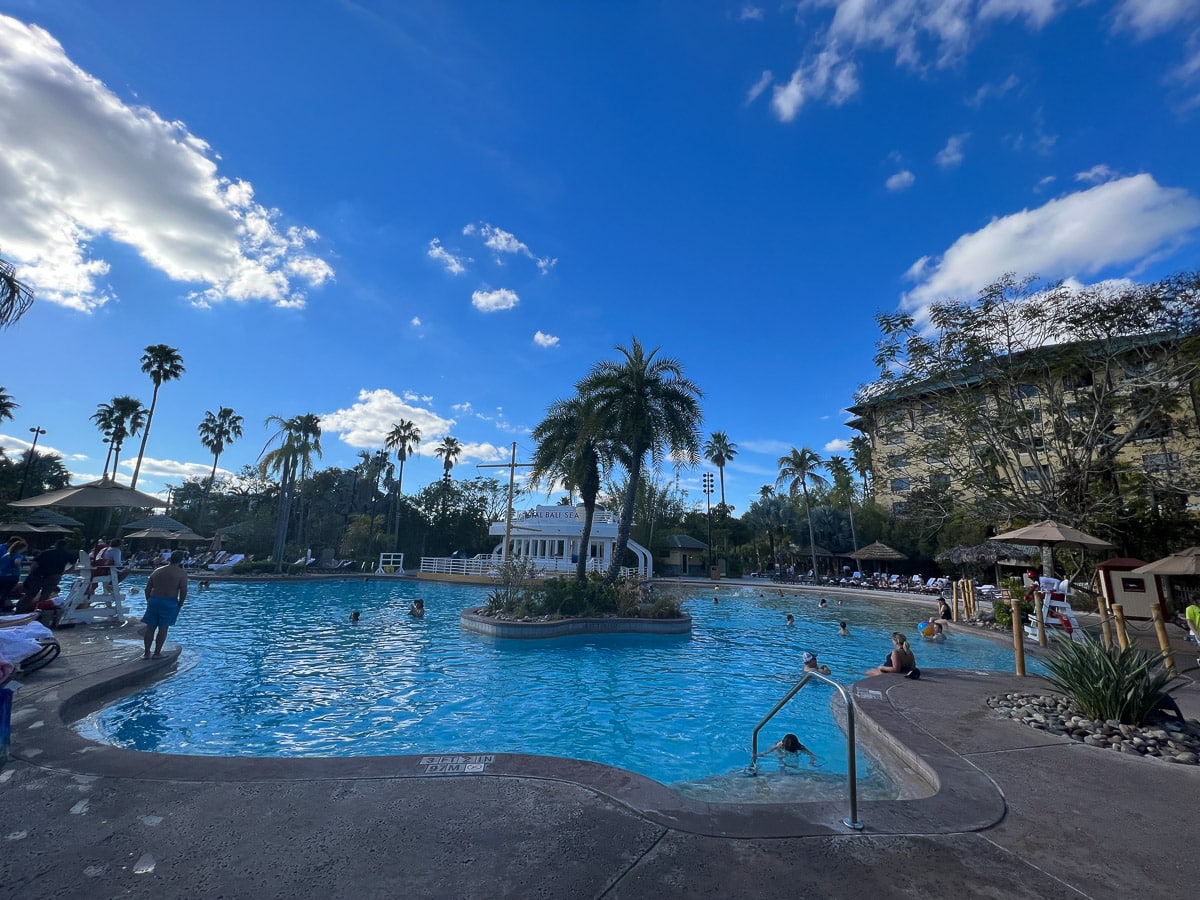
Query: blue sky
point(448, 211)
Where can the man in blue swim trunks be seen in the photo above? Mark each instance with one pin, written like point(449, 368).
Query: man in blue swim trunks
point(166, 589)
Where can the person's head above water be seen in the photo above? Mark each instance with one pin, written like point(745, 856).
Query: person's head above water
point(790, 743)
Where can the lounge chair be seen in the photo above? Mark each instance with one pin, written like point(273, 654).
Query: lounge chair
point(228, 563)
point(28, 647)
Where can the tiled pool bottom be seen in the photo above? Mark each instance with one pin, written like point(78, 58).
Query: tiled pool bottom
point(276, 669)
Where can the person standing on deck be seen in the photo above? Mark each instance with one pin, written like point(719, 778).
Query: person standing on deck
point(166, 589)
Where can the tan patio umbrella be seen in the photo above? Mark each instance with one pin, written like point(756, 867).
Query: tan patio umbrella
point(1048, 535)
point(1183, 562)
point(105, 492)
point(157, 521)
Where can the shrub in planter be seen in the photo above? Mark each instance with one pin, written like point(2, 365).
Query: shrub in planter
point(1109, 683)
point(1002, 612)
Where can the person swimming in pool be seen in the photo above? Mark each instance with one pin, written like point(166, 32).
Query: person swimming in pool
point(843, 631)
point(789, 746)
point(811, 664)
point(354, 616)
point(417, 610)
point(791, 620)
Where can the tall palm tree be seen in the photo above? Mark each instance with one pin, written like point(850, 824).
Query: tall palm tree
point(799, 469)
point(448, 451)
point(217, 431)
point(402, 440)
point(718, 450)
point(299, 438)
point(7, 405)
point(161, 363)
point(861, 459)
point(843, 486)
point(645, 406)
point(118, 420)
point(15, 297)
point(570, 452)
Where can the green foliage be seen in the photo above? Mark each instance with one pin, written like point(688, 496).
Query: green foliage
point(1109, 684)
point(254, 567)
point(514, 574)
point(570, 598)
point(1002, 611)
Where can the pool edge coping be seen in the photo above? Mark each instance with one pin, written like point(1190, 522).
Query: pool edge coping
point(964, 798)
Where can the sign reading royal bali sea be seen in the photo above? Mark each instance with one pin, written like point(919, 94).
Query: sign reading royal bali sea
point(555, 512)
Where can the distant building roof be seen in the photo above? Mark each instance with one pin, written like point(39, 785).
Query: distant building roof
point(685, 542)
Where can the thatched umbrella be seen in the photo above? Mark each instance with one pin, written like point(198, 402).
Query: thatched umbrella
point(983, 556)
point(876, 553)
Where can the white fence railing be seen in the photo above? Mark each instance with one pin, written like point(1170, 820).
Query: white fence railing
point(488, 566)
point(390, 563)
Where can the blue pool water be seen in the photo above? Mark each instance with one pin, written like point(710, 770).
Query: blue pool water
point(276, 669)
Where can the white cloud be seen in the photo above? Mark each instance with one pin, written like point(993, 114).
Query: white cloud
point(1147, 18)
point(826, 76)
point(990, 90)
point(837, 445)
point(169, 468)
point(495, 301)
point(750, 14)
point(1097, 174)
point(545, 340)
point(78, 164)
point(451, 263)
point(415, 321)
point(1121, 222)
point(1045, 182)
point(367, 422)
point(502, 243)
point(759, 86)
point(901, 181)
point(952, 154)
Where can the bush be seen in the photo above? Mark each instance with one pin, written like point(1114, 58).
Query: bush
point(1109, 684)
point(254, 567)
point(1002, 612)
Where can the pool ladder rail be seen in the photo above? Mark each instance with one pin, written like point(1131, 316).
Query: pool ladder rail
point(851, 773)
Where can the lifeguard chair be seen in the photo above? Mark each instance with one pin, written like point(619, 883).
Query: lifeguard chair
point(85, 604)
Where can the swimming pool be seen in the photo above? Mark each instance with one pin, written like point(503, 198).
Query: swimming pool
point(276, 669)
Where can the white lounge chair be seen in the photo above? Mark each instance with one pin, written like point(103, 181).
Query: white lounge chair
point(228, 563)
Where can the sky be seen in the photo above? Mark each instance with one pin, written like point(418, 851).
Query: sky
point(449, 211)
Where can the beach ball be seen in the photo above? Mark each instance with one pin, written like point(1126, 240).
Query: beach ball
point(926, 629)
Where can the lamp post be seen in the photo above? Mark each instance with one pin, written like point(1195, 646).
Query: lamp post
point(37, 433)
point(708, 489)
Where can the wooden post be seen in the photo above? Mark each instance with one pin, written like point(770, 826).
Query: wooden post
point(1164, 643)
point(1018, 637)
point(1106, 635)
point(1122, 634)
point(1040, 610)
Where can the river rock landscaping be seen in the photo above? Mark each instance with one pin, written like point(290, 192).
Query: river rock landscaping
point(1168, 739)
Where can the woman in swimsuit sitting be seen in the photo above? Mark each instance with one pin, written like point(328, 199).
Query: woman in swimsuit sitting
point(900, 661)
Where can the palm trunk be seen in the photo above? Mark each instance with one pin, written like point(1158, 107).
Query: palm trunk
point(281, 528)
point(585, 540)
point(207, 488)
point(145, 437)
point(812, 547)
point(626, 523)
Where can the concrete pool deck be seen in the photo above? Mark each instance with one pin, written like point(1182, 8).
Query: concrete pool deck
point(1017, 813)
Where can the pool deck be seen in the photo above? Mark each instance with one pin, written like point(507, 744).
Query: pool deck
point(1016, 812)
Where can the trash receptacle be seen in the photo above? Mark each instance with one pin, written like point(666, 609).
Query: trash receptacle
point(714, 572)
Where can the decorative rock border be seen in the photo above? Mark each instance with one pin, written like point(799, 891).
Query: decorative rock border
point(1168, 739)
point(544, 627)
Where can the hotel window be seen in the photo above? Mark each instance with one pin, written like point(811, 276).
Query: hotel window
point(901, 485)
point(1160, 462)
point(897, 461)
point(934, 433)
point(1025, 390)
point(899, 508)
point(939, 481)
point(893, 437)
point(1074, 381)
point(1031, 473)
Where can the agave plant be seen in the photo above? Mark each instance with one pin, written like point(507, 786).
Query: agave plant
point(1109, 684)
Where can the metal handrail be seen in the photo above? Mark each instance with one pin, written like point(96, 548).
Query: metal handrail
point(851, 768)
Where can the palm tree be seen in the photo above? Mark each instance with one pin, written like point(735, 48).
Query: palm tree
point(122, 418)
point(797, 470)
point(843, 485)
point(15, 297)
point(449, 450)
point(161, 363)
point(645, 406)
point(571, 453)
point(861, 459)
point(299, 439)
point(7, 405)
point(217, 431)
point(718, 450)
point(402, 440)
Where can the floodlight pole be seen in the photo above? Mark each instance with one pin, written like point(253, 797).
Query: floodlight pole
point(511, 465)
point(37, 432)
